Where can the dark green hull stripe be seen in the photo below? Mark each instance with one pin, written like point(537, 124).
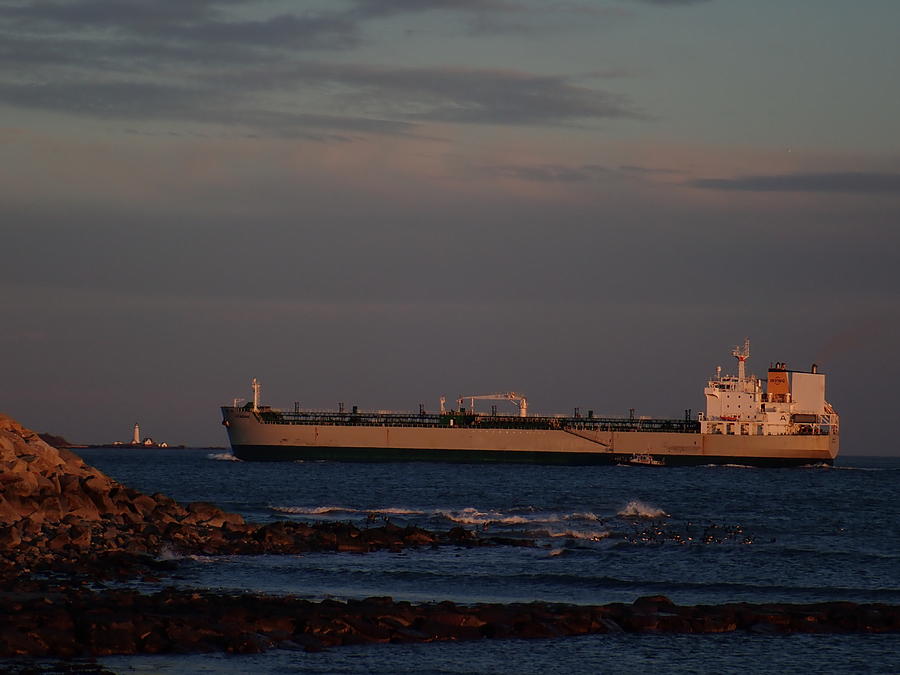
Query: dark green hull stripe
point(280, 453)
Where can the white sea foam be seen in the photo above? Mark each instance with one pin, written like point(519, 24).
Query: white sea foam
point(466, 516)
point(638, 509)
point(223, 457)
point(472, 516)
point(581, 516)
point(166, 552)
point(311, 510)
point(329, 510)
point(589, 535)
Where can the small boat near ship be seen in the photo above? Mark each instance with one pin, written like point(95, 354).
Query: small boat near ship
point(647, 460)
point(782, 420)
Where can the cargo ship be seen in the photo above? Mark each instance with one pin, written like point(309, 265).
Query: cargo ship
point(783, 420)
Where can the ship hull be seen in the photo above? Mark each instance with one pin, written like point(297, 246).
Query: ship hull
point(252, 440)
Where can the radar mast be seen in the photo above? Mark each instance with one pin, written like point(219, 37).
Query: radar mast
point(255, 385)
point(742, 354)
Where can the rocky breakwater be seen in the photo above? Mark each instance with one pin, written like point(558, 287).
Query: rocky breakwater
point(57, 511)
point(80, 623)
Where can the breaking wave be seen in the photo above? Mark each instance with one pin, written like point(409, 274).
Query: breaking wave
point(398, 511)
point(582, 516)
point(223, 457)
point(311, 511)
point(551, 523)
point(465, 516)
point(638, 509)
point(346, 510)
point(588, 535)
point(472, 516)
point(537, 523)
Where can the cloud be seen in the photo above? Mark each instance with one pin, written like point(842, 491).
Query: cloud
point(550, 173)
point(387, 100)
point(379, 8)
point(155, 101)
point(578, 173)
point(126, 100)
point(189, 23)
point(646, 170)
point(109, 13)
point(447, 94)
point(209, 21)
point(465, 95)
point(672, 3)
point(200, 61)
point(860, 182)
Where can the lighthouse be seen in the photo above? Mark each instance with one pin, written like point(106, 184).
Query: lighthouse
point(136, 438)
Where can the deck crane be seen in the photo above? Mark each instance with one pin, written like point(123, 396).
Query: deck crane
point(520, 401)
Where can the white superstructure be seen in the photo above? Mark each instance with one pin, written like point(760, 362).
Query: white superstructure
point(789, 403)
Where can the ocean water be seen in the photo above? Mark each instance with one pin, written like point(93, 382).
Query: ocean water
point(604, 534)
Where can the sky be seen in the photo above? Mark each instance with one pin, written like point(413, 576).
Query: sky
point(380, 202)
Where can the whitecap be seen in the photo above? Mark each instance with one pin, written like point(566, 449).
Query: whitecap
point(223, 457)
point(581, 516)
point(311, 511)
point(589, 535)
point(397, 511)
point(638, 509)
point(474, 517)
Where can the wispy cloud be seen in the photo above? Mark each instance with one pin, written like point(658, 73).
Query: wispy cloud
point(572, 173)
point(466, 95)
point(386, 100)
point(161, 102)
point(549, 173)
point(380, 8)
point(861, 182)
point(671, 3)
point(199, 61)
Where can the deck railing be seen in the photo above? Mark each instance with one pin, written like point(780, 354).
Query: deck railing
point(476, 421)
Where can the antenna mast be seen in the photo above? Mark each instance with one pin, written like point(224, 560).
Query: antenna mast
point(742, 354)
point(255, 385)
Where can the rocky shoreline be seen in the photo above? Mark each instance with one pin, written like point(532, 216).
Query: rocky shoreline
point(56, 512)
point(65, 525)
point(71, 623)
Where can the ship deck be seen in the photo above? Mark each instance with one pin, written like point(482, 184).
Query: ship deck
point(476, 421)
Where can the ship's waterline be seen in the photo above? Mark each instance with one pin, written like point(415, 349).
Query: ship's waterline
point(781, 421)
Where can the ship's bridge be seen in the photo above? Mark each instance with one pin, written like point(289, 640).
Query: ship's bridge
point(791, 403)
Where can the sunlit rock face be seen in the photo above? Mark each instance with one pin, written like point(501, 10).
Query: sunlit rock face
point(44, 484)
point(53, 505)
